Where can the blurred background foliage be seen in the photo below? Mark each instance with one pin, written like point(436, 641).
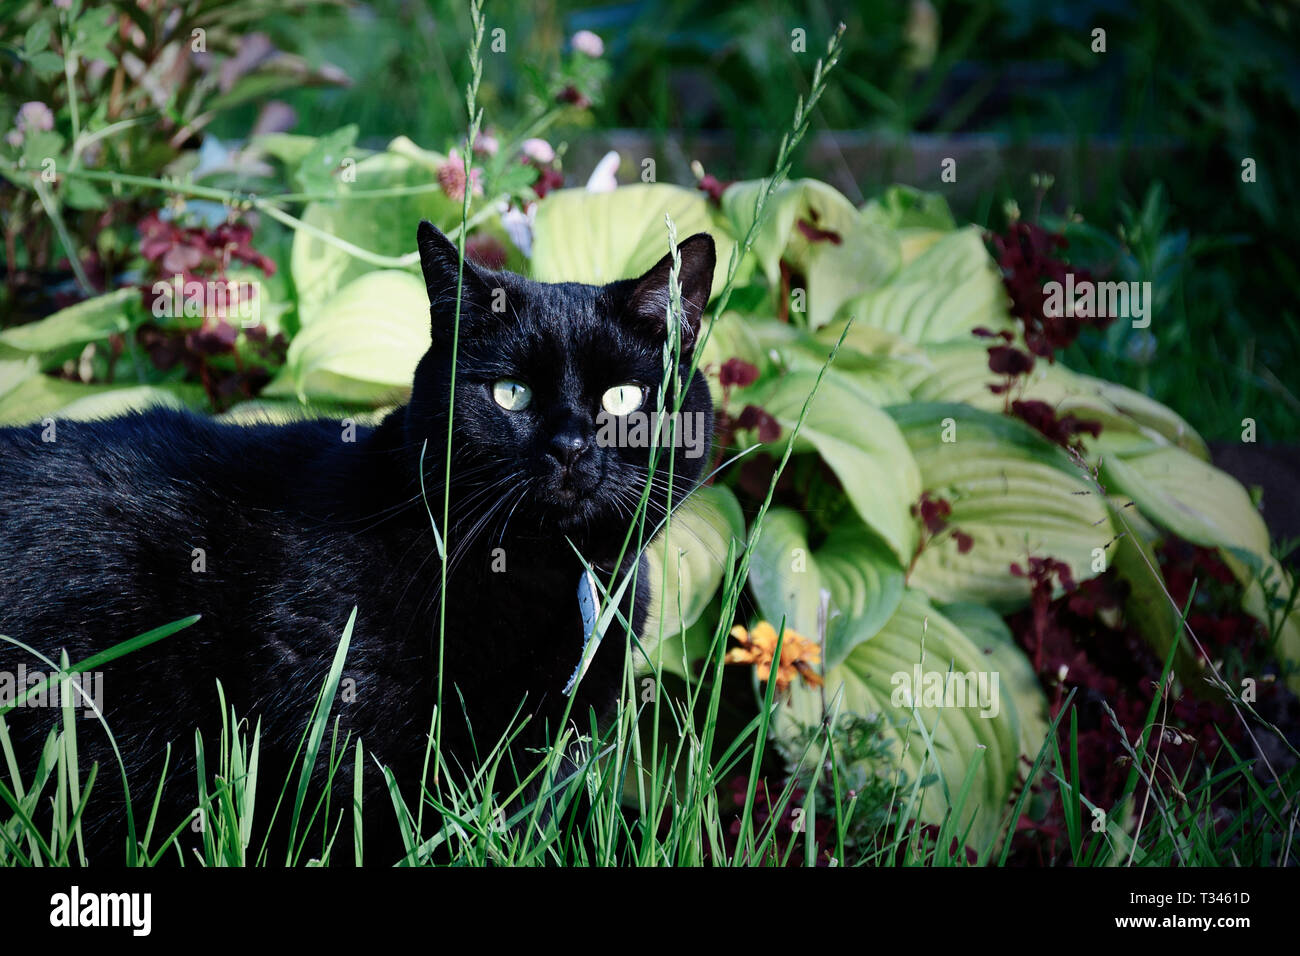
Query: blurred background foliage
point(1144, 142)
point(1150, 134)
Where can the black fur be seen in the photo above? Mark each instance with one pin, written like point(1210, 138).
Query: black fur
point(298, 526)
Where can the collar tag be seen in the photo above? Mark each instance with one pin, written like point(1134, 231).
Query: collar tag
point(588, 603)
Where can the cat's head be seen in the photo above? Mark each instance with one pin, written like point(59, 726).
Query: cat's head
point(556, 391)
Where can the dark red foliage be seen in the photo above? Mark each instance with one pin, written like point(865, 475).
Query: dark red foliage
point(486, 251)
point(736, 372)
point(1026, 254)
point(751, 416)
point(933, 512)
point(814, 233)
point(548, 178)
point(196, 252)
point(205, 344)
point(713, 187)
point(1006, 360)
point(573, 97)
point(1080, 641)
point(1063, 430)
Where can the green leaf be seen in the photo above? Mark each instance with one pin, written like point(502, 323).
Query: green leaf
point(40, 396)
point(1189, 497)
point(872, 680)
point(959, 372)
point(836, 272)
point(862, 445)
point(778, 237)
point(259, 411)
point(1014, 493)
point(80, 194)
point(906, 208)
point(1268, 589)
point(986, 628)
point(37, 37)
point(687, 560)
point(88, 321)
point(46, 64)
point(315, 172)
point(385, 226)
point(579, 236)
point(16, 368)
point(288, 148)
point(41, 145)
point(948, 290)
point(864, 579)
point(1148, 606)
point(363, 345)
point(785, 347)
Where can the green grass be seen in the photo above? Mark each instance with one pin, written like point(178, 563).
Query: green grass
point(627, 801)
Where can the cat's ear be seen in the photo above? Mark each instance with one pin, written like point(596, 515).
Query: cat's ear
point(647, 304)
point(440, 263)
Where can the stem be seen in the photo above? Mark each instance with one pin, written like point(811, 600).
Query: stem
point(51, 208)
point(69, 69)
point(270, 206)
point(475, 122)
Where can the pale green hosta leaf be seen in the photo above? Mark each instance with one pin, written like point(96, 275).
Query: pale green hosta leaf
point(1268, 588)
point(778, 238)
point(687, 560)
point(580, 236)
point(864, 580)
point(948, 290)
point(1208, 507)
point(40, 396)
point(861, 444)
point(864, 256)
point(785, 347)
point(1189, 497)
point(1148, 607)
point(288, 148)
point(905, 208)
point(1014, 493)
point(385, 226)
point(1016, 677)
point(864, 259)
point(16, 368)
point(959, 372)
point(871, 680)
point(363, 347)
point(88, 321)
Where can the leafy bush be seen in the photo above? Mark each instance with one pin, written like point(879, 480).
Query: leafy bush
point(943, 462)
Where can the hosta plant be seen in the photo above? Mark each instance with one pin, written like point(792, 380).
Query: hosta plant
point(946, 457)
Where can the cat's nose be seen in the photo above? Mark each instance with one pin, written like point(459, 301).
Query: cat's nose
point(568, 446)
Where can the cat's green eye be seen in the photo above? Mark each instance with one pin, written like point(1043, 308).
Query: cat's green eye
point(622, 399)
point(511, 395)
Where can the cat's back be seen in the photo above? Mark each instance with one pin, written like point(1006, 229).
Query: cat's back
point(105, 516)
point(148, 454)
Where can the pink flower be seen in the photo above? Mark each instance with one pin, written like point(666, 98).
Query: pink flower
point(451, 177)
point(34, 116)
point(586, 42)
point(538, 150)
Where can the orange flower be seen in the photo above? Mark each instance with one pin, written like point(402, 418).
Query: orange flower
point(758, 647)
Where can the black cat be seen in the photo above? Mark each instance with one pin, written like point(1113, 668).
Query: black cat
point(275, 533)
